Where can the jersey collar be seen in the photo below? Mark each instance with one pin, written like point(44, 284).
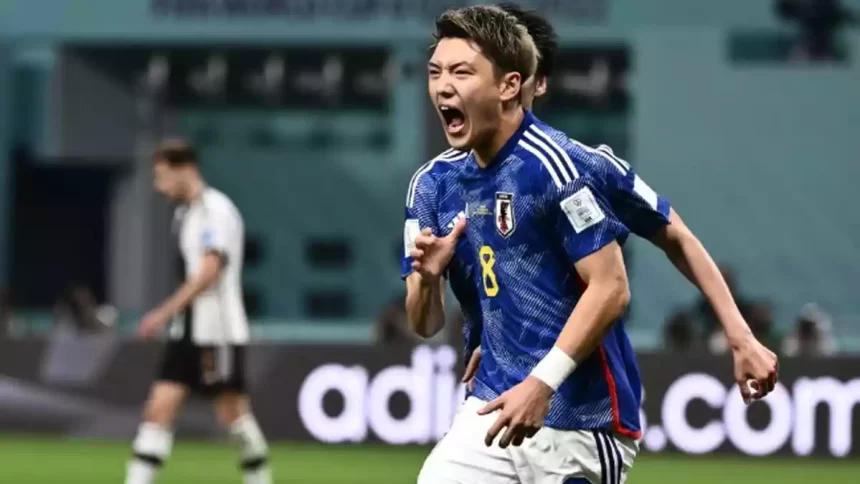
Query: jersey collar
point(506, 151)
point(198, 200)
point(511, 144)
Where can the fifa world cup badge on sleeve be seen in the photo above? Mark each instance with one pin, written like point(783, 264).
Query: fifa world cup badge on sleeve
point(582, 210)
point(207, 239)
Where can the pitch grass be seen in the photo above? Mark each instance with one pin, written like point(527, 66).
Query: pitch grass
point(55, 461)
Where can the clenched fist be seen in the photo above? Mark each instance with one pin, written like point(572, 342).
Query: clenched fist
point(432, 254)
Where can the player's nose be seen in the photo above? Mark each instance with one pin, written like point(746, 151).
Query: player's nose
point(444, 92)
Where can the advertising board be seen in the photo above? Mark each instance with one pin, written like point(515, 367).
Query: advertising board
point(357, 394)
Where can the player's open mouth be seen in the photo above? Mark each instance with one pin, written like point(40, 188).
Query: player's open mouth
point(454, 119)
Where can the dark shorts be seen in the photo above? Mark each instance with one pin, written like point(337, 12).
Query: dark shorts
point(205, 370)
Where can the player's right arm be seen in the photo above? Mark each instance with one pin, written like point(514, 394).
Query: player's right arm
point(218, 228)
point(425, 304)
point(690, 257)
point(652, 217)
point(753, 361)
point(425, 294)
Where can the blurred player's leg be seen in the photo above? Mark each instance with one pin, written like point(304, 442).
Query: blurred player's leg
point(573, 456)
point(461, 456)
point(234, 413)
point(154, 438)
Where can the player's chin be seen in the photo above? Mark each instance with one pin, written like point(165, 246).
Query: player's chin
point(459, 139)
point(461, 144)
point(173, 197)
point(166, 194)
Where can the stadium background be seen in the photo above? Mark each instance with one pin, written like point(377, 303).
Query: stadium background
point(312, 115)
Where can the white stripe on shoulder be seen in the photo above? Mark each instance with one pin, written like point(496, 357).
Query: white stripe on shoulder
point(606, 153)
point(550, 168)
point(446, 156)
point(533, 140)
point(622, 165)
point(410, 193)
point(558, 148)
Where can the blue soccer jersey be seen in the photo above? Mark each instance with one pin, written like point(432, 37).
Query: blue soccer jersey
point(635, 204)
point(434, 201)
point(541, 206)
point(638, 207)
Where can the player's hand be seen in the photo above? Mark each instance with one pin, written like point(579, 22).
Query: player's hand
point(523, 410)
point(756, 368)
point(152, 323)
point(471, 369)
point(432, 254)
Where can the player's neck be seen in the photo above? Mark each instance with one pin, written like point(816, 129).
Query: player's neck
point(195, 190)
point(510, 122)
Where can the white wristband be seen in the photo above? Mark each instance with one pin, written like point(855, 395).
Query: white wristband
point(554, 368)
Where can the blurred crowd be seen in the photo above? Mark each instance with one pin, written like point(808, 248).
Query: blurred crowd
point(818, 23)
point(695, 328)
point(591, 82)
point(76, 310)
point(690, 329)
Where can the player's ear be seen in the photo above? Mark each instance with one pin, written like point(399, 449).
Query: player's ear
point(540, 86)
point(510, 86)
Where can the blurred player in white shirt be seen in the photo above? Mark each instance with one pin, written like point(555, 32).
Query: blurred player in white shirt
point(208, 325)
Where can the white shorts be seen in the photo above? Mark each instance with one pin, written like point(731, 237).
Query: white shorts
point(550, 457)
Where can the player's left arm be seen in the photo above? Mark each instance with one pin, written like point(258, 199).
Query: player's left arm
point(603, 302)
point(580, 215)
point(217, 231)
point(590, 232)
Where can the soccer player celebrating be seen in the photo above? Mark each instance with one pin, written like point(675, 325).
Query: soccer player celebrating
point(651, 217)
point(541, 230)
point(541, 253)
point(209, 332)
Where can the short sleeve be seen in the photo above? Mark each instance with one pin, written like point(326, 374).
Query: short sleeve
point(636, 204)
point(582, 216)
point(421, 213)
point(217, 230)
point(642, 209)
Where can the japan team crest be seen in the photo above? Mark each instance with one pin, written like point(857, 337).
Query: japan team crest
point(505, 221)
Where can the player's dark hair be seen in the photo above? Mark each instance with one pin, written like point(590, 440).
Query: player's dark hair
point(176, 152)
point(500, 36)
point(542, 32)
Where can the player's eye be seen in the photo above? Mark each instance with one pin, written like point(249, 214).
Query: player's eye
point(461, 73)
